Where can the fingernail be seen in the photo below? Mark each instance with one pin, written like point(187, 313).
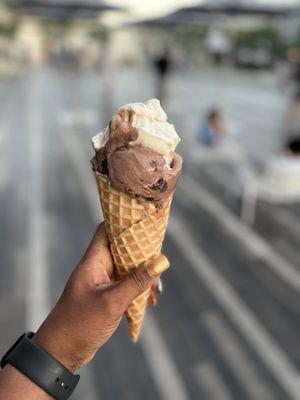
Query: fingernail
point(158, 265)
point(160, 287)
point(153, 301)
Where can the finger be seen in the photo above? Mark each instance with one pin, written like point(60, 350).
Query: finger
point(97, 261)
point(152, 301)
point(155, 286)
point(110, 271)
point(157, 265)
point(156, 290)
point(99, 239)
point(99, 247)
point(140, 280)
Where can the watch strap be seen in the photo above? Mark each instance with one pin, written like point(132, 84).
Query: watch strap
point(41, 368)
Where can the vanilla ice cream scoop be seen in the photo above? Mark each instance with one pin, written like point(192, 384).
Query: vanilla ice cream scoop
point(150, 121)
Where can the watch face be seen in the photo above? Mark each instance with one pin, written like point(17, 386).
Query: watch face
point(4, 359)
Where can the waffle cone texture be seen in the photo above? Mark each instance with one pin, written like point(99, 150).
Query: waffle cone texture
point(136, 232)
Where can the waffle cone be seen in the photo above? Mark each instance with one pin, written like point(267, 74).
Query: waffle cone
point(136, 232)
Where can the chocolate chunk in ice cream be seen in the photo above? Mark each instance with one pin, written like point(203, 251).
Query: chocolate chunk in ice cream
point(160, 185)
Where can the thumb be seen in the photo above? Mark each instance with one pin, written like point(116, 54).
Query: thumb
point(138, 281)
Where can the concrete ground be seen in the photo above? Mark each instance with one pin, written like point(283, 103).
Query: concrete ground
point(227, 327)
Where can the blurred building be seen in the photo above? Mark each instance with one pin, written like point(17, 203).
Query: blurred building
point(239, 31)
point(44, 27)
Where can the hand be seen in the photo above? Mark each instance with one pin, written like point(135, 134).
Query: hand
point(91, 306)
point(156, 290)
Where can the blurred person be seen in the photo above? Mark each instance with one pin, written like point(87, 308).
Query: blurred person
point(293, 58)
point(84, 318)
point(296, 74)
point(213, 131)
point(293, 148)
point(162, 66)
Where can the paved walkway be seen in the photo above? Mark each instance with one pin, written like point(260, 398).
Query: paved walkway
point(227, 327)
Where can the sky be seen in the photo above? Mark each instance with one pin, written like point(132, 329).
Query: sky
point(144, 9)
point(152, 8)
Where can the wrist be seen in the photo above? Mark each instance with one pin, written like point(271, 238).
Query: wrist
point(15, 386)
point(59, 347)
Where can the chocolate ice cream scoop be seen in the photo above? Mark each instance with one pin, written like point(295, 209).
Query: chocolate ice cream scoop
point(142, 172)
point(133, 167)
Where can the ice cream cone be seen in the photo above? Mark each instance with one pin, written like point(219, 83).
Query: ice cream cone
point(135, 231)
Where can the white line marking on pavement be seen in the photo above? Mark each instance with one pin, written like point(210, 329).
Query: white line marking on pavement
point(5, 131)
point(236, 357)
point(159, 359)
point(5, 121)
point(87, 388)
point(251, 240)
point(79, 161)
point(7, 109)
point(282, 217)
point(244, 319)
point(37, 269)
point(211, 382)
point(79, 116)
point(163, 369)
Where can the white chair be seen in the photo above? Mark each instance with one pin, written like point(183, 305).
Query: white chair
point(279, 184)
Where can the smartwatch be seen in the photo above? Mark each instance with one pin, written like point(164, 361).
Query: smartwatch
point(40, 367)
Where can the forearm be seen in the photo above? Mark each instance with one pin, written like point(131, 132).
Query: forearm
point(85, 317)
point(16, 386)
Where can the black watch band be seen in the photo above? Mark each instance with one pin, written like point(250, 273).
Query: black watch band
point(40, 367)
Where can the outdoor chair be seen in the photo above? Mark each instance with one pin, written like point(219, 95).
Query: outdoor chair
point(278, 184)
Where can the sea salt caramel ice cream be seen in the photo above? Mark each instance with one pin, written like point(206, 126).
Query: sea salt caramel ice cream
point(137, 152)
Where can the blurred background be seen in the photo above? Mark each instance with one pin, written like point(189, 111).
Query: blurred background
point(228, 75)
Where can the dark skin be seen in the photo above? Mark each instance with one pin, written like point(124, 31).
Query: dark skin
point(86, 315)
